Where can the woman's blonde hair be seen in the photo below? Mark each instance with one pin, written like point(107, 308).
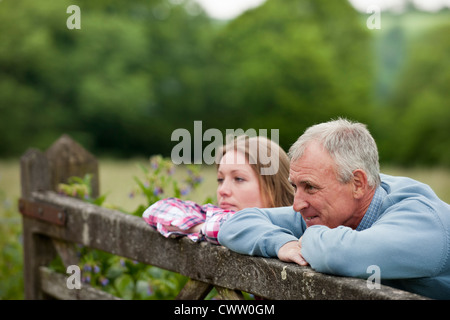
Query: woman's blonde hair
point(270, 163)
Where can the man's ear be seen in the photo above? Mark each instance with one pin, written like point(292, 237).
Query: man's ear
point(359, 183)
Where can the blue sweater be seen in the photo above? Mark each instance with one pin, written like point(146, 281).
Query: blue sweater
point(405, 232)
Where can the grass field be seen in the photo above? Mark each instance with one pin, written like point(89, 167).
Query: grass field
point(116, 180)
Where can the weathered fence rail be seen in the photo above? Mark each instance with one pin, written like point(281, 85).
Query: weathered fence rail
point(53, 223)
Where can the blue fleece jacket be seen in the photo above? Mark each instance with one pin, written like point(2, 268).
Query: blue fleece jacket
point(405, 232)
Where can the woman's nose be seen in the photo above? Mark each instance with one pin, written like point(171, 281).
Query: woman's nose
point(224, 188)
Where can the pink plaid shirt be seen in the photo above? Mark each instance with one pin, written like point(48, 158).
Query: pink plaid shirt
point(185, 214)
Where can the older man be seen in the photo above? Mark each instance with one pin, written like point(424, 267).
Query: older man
point(351, 216)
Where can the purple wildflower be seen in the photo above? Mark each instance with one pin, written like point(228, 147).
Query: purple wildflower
point(154, 164)
point(185, 191)
point(198, 179)
point(87, 267)
point(157, 191)
point(171, 171)
point(104, 281)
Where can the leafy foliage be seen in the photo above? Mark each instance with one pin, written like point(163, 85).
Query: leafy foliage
point(129, 64)
point(158, 182)
point(11, 284)
point(122, 277)
point(291, 66)
point(421, 104)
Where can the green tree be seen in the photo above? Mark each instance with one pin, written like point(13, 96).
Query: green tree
point(289, 66)
point(31, 107)
point(115, 85)
point(421, 102)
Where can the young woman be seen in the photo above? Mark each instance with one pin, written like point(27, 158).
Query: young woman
point(251, 172)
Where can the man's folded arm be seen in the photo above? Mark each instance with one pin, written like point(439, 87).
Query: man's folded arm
point(404, 244)
point(261, 232)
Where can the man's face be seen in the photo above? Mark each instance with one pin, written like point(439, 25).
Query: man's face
point(319, 197)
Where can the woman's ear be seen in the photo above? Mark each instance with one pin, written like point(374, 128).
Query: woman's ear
point(359, 183)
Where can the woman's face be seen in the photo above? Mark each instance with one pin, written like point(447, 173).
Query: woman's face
point(238, 183)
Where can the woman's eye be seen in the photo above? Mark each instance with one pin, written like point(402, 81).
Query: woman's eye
point(219, 180)
point(239, 179)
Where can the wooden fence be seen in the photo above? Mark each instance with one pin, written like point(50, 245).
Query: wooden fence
point(54, 223)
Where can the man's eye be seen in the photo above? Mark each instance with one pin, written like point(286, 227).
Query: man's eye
point(310, 188)
point(294, 186)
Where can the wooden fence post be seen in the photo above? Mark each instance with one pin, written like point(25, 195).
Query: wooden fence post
point(41, 172)
point(34, 172)
point(38, 250)
point(67, 158)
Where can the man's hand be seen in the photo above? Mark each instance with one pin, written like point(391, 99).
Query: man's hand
point(291, 252)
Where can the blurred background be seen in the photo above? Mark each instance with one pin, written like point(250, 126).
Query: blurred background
point(139, 69)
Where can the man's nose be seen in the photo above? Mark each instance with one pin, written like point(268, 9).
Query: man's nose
point(299, 202)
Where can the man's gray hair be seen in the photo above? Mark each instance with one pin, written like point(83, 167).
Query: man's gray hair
point(349, 144)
